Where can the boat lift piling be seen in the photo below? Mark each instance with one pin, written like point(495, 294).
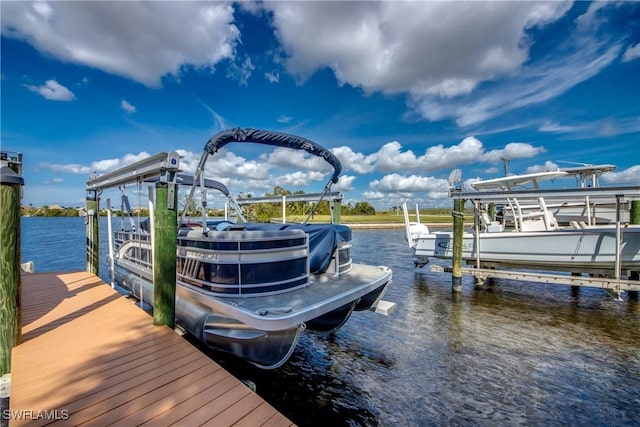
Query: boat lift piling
point(92, 223)
point(634, 218)
point(458, 229)
point(11, 182)
point(164, 224)
point(164, 252)
point(456, 187)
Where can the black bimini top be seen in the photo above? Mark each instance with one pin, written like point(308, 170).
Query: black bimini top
point(278, 139)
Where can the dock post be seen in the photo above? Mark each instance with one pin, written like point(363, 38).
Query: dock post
point(11, 182)
point(164, 252)
point(634, 213)
point(92, 222)
point(634, 218)
point(337, 211)
point(458, 229)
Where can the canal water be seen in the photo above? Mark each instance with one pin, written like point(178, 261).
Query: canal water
point(515, 353)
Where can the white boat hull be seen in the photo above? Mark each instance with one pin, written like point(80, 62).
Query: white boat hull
point(565, 249)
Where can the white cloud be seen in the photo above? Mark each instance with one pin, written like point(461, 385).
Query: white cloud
point(273, 77)
point(391, 46)
point(408, 184)
point(130, 109)
point(284, 119)
point(437, 157)
point(53, 91)
point(632, 52)
point(350, 160)
point(66, 168)
point(627, 176)
point(425, 48)
point(143, 41)
point(513, 150)
point(100, 166)
point(241, 72)
point(345, 183)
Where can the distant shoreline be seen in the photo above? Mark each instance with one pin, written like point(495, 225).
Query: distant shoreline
point(397, 225)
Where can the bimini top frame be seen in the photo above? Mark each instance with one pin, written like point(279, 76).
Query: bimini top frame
point(266, 137)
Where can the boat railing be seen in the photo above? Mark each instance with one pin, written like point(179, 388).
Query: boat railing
point(341, 262)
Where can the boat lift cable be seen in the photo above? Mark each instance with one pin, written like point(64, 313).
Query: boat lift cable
point(196, 179)
point(203, 196)
point(125, 205)
point(327, 189)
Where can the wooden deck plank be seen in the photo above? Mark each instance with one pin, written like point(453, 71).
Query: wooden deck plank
point(257, 417)
point(191, 404)
point(152, 404)
point(140, 396)
point(236, 411)
point(214, 407)
point(92, 354)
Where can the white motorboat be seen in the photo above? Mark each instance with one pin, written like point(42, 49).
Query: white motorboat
point(250, 289)
point(536, 241)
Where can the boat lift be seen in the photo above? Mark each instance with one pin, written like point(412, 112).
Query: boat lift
point(614, 285)
point(334, 198)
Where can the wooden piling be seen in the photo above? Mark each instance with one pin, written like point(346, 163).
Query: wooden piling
point(92, 222)
point(164, 254)
point(634, 218)
point(337, 211)
point(634, 213)
point(10, 295)
point(458, 229)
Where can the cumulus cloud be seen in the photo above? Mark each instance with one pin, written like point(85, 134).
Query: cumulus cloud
point(391, 46)
point(627, 176)
point(53, 91)
point(513, 150)
point(408, 184)
point(632, 52)
point(414, 47)
point(130, 109)
point(100, 166)
point(143, 41)
point(436, 157)
point(465, 61)
point(350, 160)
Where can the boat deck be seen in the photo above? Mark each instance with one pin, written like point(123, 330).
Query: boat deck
point(289, 309)
point(90, 356)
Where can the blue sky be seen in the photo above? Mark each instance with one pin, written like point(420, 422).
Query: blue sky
point(401, 92)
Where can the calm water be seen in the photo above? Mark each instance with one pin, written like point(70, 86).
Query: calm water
point(515, 354)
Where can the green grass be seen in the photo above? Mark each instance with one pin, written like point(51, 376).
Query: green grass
point(379, 218)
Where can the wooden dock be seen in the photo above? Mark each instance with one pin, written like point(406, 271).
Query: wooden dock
point(89, 356)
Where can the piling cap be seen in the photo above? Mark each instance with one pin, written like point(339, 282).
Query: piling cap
point(9, 176)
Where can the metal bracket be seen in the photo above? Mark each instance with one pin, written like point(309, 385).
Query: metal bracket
point(171, 191)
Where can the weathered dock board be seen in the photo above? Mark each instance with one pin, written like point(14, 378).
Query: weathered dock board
point(91, 357)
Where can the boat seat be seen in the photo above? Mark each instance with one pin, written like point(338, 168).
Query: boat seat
point(490, 226)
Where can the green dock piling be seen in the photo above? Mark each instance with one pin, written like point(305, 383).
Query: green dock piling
point(11, 183)
point(92, 222)
point(337, 211)
point(634, 218)
point(634, 213)
point(458, 229)
point(164, 254)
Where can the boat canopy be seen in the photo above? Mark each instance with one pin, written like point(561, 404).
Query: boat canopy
point(278, 139)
